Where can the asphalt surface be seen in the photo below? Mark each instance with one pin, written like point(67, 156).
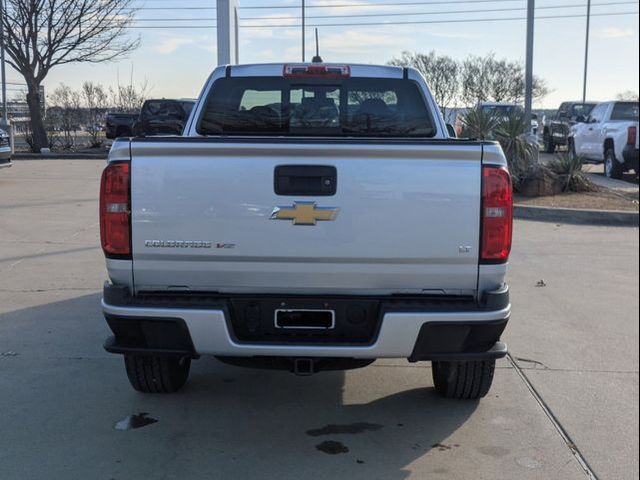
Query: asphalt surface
point(65, 404)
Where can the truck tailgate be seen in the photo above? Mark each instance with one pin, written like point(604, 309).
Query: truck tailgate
point(406, 218)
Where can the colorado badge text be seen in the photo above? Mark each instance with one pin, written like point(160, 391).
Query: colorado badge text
point(177, 244)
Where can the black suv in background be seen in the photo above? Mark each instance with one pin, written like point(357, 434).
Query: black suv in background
point(556, 127)
point(163, 117)
point(120, 124)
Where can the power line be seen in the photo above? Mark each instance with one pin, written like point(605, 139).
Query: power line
point(368, 24)
point(392, 14)
point(367, 15)
point(361, 5)
point(420, 22)
point(367, 5)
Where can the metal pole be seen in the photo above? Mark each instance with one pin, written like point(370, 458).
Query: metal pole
point(303, 30)
point(586, 53)
point(528, 87)
point(5, 119)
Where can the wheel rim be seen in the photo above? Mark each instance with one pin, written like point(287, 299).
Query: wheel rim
point(607, 166)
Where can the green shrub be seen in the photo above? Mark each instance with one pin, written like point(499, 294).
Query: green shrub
point(569, 168)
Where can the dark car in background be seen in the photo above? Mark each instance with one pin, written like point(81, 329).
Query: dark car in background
point(120, 124)
point(556, 128)
point(163, 117)
point(5, 149)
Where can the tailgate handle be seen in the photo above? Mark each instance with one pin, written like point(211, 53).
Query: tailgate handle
point(305, 180)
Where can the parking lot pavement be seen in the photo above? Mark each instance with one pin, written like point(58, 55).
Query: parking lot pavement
point(64, 400)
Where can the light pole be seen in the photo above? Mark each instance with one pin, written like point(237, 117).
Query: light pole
point(5, 120)
point(528, 82)
point(303, 30)
point(586, 53)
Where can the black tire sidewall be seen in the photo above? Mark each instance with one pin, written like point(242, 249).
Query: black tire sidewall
point(615, 171)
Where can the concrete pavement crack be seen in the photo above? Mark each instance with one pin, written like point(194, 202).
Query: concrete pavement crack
point(566, 438)
point(44, 249)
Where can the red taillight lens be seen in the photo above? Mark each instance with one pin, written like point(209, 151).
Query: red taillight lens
point(115, 210)
point(497, 214)
point(631, 136)
point(316, 70)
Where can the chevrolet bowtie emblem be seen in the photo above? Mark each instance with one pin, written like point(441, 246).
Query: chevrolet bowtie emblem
point(304, 213)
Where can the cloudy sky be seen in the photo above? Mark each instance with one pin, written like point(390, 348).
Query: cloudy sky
point(174, 62)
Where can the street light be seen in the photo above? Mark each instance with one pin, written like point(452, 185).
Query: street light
point(303, 30)
point(586, 53)
point(5, 120)
point(528, 87)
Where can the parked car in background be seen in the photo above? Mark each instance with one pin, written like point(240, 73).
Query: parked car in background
point(609, 135)
point(5, 149)
point(505, 110)
point(163, 117)
point(120, 124)
point(556, 127)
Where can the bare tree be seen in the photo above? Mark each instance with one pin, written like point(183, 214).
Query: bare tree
point(94, 99)
point(128, 98)
point(66, 113)
point(627, 95)
point(489, 79)
point(475, 80)
point(441, 72)
point(43, 34)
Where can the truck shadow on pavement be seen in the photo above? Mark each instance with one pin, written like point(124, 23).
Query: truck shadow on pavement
point(228, 422)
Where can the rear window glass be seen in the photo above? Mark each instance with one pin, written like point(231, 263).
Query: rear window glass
point(625, 111)
point(187, 106)
point(163, 109)
point(583, 109)
point(350, 107)
point(503, 110)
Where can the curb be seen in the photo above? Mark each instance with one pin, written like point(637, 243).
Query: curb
point(60, 156)
point(576, 216)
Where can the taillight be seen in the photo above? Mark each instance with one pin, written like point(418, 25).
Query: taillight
point(497, 215)
point(631, 135)
point(316, 70)
point(115, 210)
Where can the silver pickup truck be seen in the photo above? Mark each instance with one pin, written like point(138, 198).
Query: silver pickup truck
point(312, 217)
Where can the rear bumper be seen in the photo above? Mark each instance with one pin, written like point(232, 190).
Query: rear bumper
point(5, 155)
point(417, 329)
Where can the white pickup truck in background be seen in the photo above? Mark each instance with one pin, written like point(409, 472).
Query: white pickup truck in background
point(311, 217)
point(609, 135)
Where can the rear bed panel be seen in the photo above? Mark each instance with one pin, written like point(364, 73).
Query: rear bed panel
point(408, 219)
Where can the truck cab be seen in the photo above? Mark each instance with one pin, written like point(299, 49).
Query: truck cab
point(556, 128)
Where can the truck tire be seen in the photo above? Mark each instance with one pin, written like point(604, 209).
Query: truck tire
point(155, 374)
point(463, 380)
point(571, 147)
point(549, 146)
point(612, 167)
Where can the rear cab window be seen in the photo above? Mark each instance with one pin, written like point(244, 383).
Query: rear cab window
point(626, 111)
point(327, 107)
point(583, 109)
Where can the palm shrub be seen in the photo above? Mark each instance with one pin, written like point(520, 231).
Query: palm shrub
point(520, 152)
point(480, 124)
point(568, 167)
